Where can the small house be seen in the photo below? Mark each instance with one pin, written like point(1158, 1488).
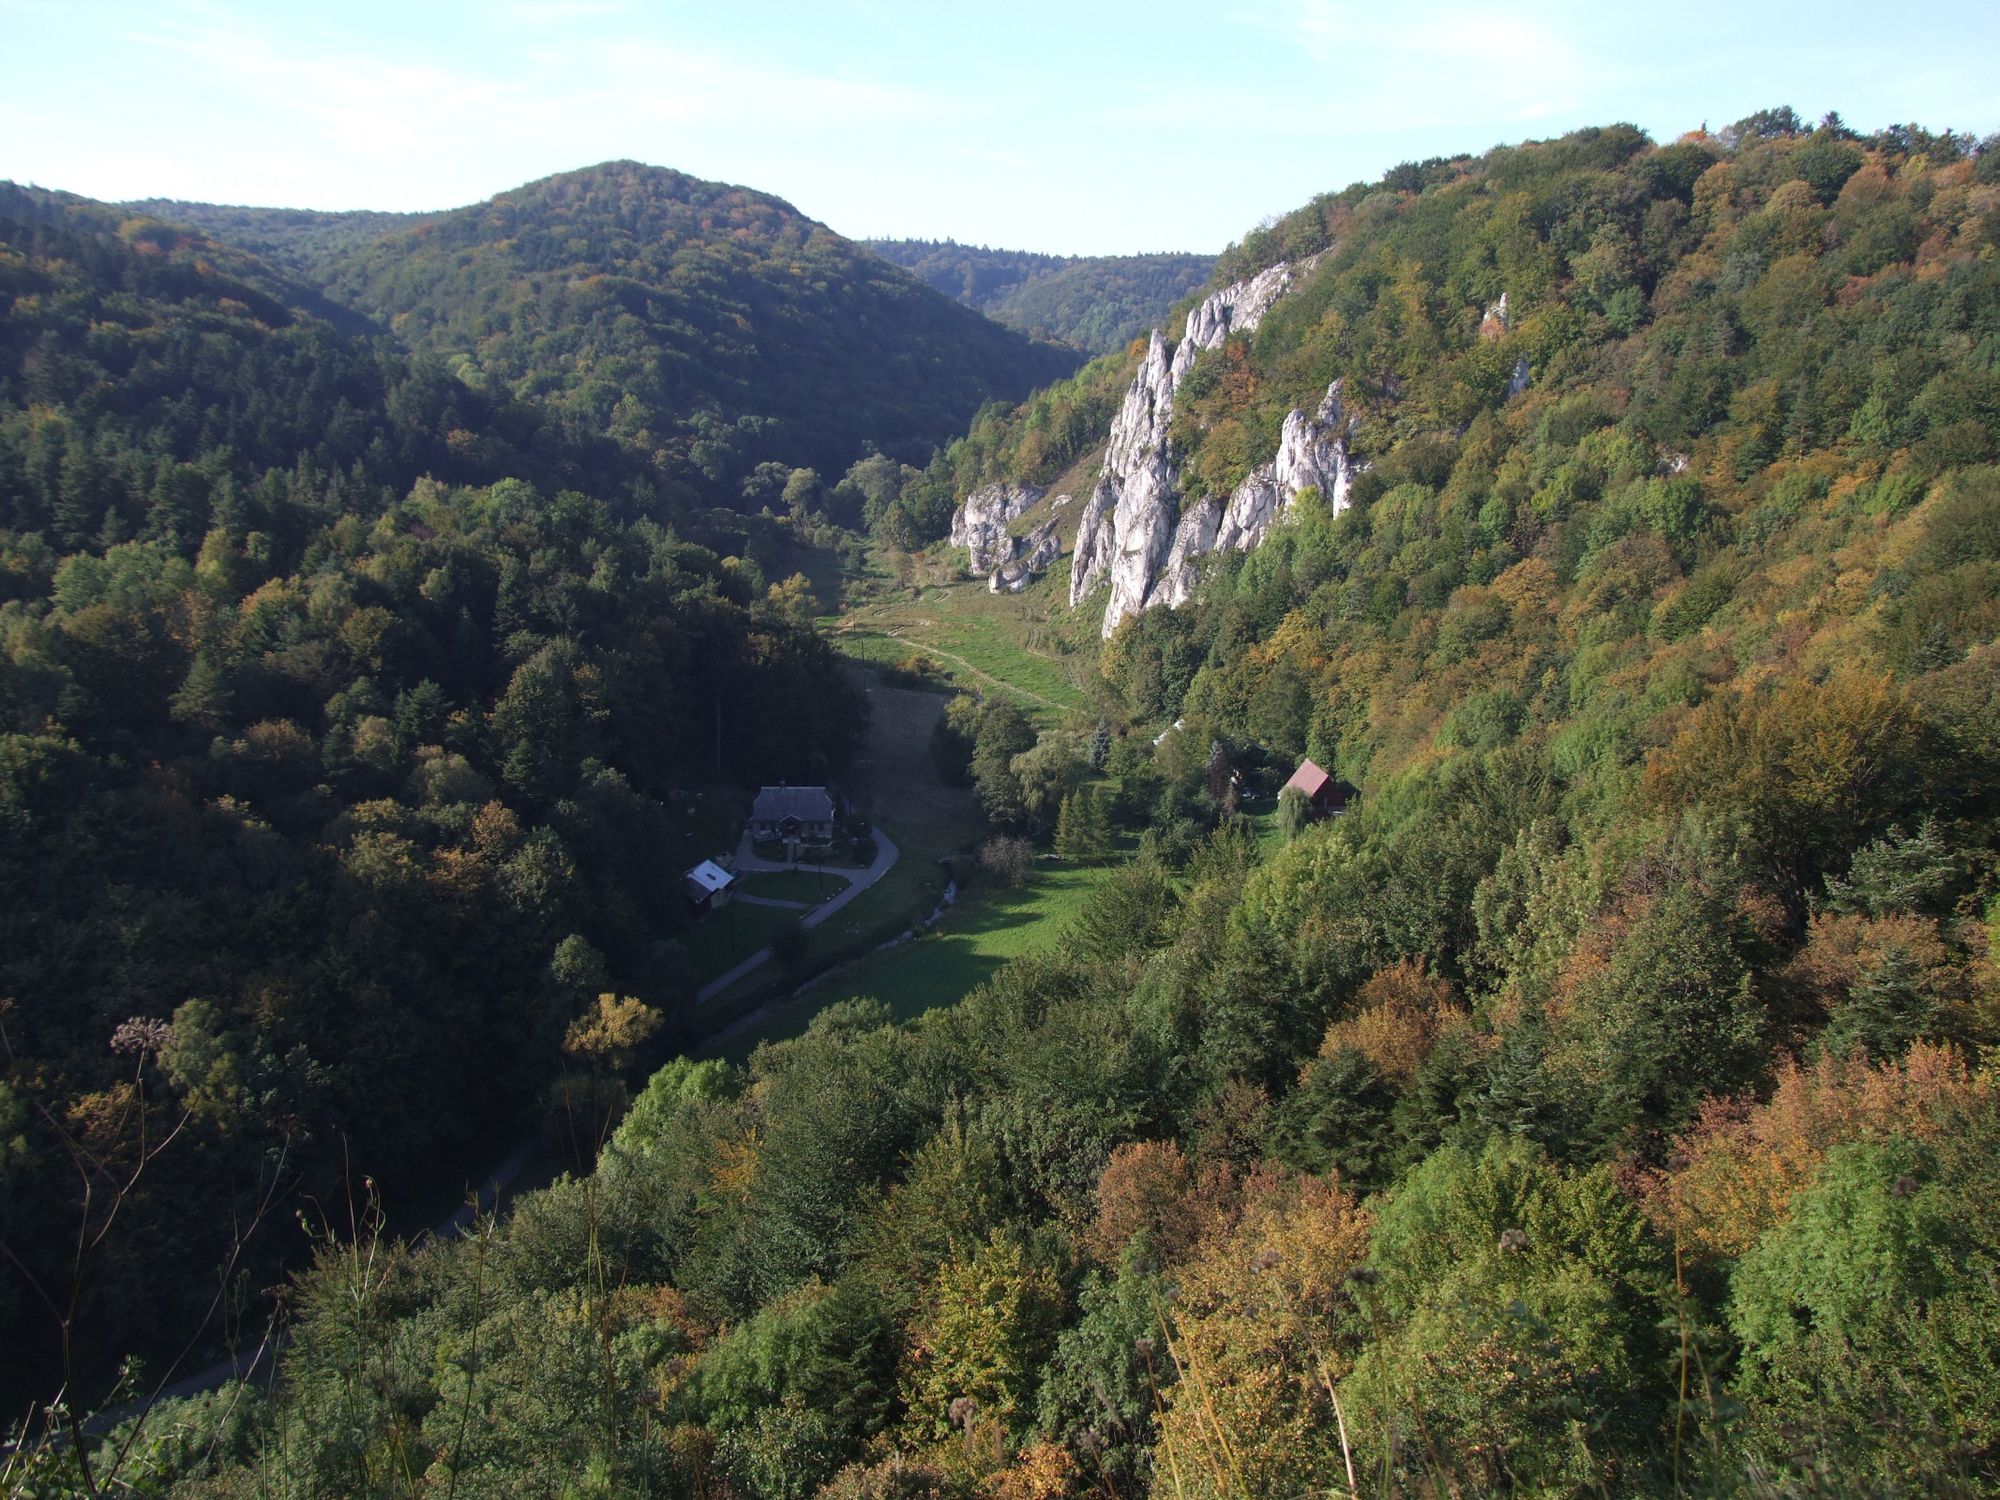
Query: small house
point(707, 886)
point(804, 813)
point(1327, 794)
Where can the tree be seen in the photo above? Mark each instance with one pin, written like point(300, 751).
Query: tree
point(1670, 1016)
point(788, 946)
point(981, 1334)
point(1046, 775)
point(1083, 832)
point(1003, 734)
point(1007, 859)
point(1294, 812)
point(1100, 746)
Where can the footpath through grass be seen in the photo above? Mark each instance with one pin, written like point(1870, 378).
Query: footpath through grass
point(1017, 644)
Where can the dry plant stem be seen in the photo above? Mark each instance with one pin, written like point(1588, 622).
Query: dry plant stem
point(1680, 1309)
point(484, 1230)
point(88, 1169)
point(239, 1240)
point(1340, 1422)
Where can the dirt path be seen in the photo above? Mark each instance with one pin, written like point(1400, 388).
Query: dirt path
point(979, 672)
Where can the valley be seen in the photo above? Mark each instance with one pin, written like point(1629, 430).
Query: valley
point(1413, 902)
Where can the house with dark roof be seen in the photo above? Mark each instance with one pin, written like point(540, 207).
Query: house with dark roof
point(1327, 794)
point(707, 886)
point(804, 813)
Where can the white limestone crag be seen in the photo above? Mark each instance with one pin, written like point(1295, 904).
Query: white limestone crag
point(1092, 553)
point(1194, 536)
point(1033, 554)
point(1312, 454)
point(1241, 306)
point(980, 524)
point(1042, 546)
point(1132, 531)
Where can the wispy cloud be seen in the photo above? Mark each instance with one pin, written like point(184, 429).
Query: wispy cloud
point(578, 94)
point(1429, 65)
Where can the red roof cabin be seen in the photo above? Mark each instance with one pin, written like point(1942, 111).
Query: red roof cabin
point(1327, 794)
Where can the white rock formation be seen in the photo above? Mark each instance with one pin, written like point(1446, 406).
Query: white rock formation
point(1092, 553)
point(1312, 454)
point(1042, 546)
point(1240, 306)
point(980, 524)
point(1194, 536)
point(1132, 529)
point(1032, 555)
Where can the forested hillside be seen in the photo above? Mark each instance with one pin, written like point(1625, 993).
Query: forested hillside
point(338, 737)
point(1098, 303)
point(301, 240)
point(708, 326)
point(1603, 1104)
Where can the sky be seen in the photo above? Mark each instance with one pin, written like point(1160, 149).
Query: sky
point(1075, 127)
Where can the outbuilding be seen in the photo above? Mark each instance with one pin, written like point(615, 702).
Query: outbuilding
point(707, 886)
point(1327, 794)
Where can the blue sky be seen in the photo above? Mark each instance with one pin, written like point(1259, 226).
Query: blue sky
point(1078, 127)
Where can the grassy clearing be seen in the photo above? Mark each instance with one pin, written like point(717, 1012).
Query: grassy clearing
point(1024, 645)
point(792, 885)
point(992, 926)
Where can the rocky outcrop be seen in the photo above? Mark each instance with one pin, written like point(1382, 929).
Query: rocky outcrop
point(1241, 306)
point(1312, 454)
point(1043, 546)
point(1092, 553)
point(1132, 531)
point(980, 525)
point(1193, 537)
point(1034, 553)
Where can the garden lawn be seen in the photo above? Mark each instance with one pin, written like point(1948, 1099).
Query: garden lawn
point(991, 926)
point(791, 885)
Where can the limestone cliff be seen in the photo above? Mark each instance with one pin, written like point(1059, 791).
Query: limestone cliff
point(1132, 530)
point(980, 524)
point(1033, 554)
point(1312, 454)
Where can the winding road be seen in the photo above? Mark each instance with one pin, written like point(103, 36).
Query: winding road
point(748, 863)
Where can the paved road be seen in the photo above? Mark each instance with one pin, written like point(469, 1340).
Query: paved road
point(747, 862)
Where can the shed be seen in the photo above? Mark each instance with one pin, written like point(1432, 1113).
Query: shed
point(1327, 793)
point(707, 886)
